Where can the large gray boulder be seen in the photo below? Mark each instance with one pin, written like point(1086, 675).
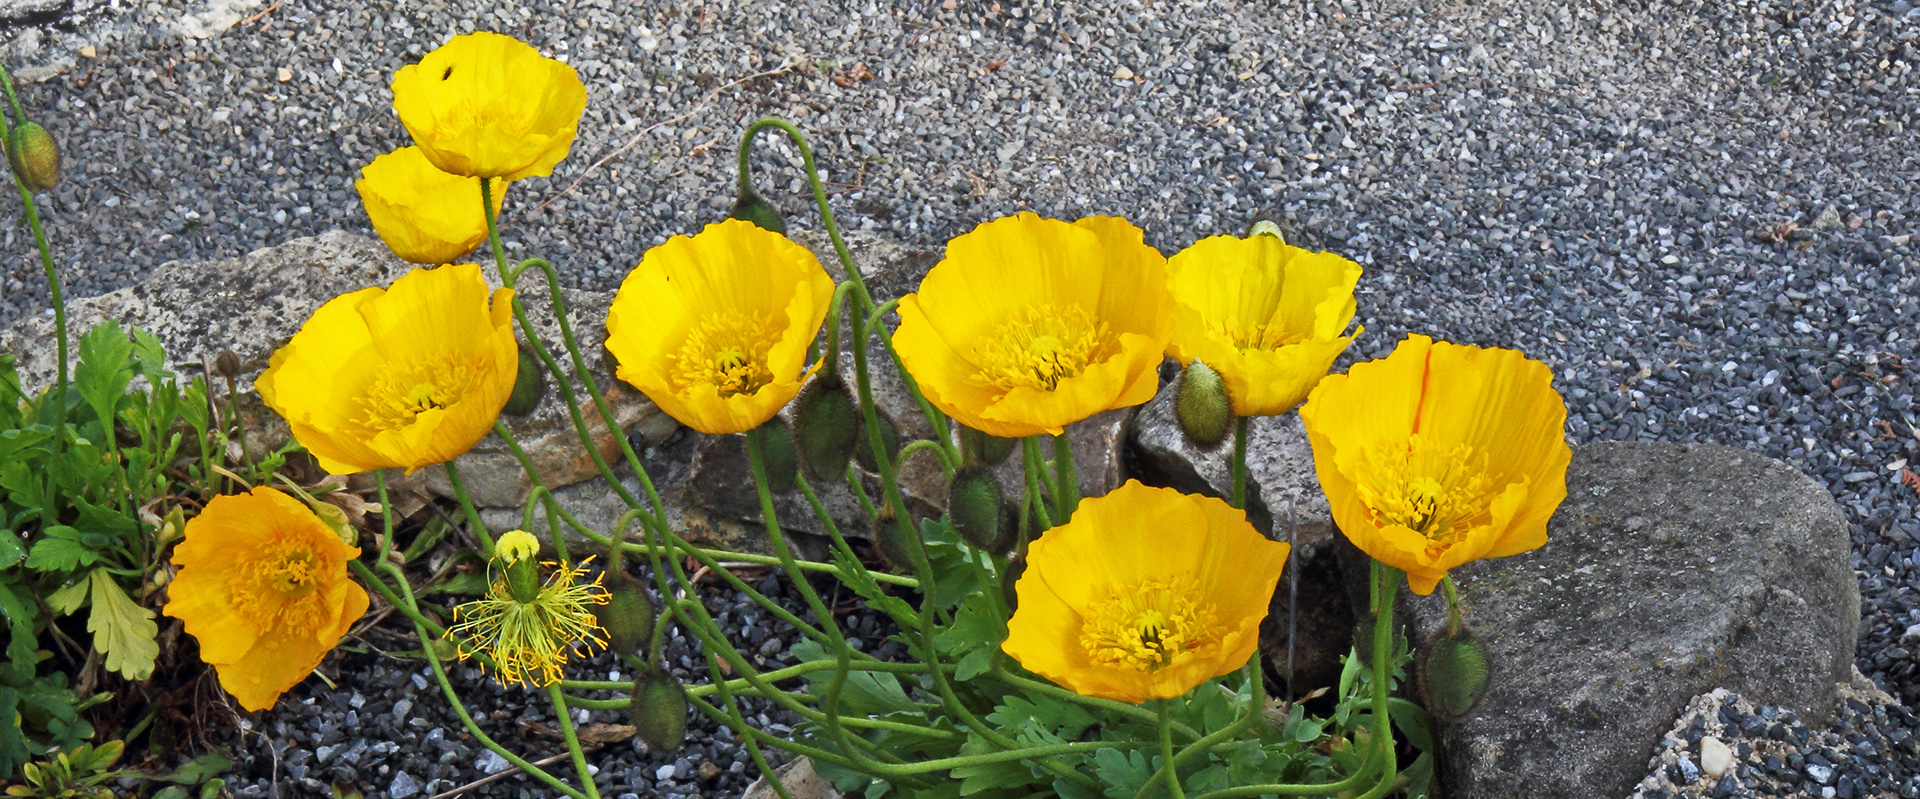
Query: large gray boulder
point(1670, 570)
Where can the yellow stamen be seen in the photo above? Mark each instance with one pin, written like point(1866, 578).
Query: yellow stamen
point(728, 351)
point(1148, 626)
point(281, 588)
point(1254, 337)
point(1041, 347)
point(1434, 490)
point(404, 392)
point(530, 642)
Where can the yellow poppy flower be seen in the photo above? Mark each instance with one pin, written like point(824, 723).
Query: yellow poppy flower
point(530, 639)
point(263, 587)
point(1145, 594)
point(1031, 324)
point(714, 328)
point(486, 105)
point(1440, 454)
point(1266, 315)
point(396, 378)
point(425, 216)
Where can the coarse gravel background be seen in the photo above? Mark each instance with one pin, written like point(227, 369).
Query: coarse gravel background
point(1587, 182)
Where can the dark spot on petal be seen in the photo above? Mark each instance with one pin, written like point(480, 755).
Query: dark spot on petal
point(447, 74)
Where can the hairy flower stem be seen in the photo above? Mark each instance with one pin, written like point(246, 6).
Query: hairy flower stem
point(573, 741)
point(53, 276)
point(1033, 465)
point(1067, 483)
point(480, 534)
point(1168, 767)
point(1386, 583)
point(1240, 461)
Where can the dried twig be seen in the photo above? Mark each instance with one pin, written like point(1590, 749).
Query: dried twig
point(493, 778)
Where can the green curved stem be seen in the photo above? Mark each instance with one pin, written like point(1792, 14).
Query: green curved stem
point(819, 191)
point(573, 741)
point(1033, 464)
point(1169, 769)
point(1067, 489)
point(480, 534)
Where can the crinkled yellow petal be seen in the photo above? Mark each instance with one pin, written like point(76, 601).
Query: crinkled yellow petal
point(403, 377)
point(488, 106)
point(731, 277)
point(1495, 407)
point(424, 215)
point(262, 586)
point(1137, 537)
point(1266, 315)
point(1096, 279)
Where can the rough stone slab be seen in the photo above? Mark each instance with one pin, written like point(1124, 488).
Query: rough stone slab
point(1670, 570)
point(253, 304)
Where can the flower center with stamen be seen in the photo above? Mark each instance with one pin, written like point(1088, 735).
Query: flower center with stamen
point(402, 393)
point(1437, 491)
point(1042, 346)
point(1255, 337)
point(1147, 626)
point(729, 352)
point(282, 588)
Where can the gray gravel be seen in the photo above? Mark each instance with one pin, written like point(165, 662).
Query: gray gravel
point(1596, 185)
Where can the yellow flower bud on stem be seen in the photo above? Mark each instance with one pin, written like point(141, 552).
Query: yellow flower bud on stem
point(34, 156)
point(827, 426)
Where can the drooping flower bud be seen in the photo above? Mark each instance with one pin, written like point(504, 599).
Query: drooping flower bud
point(1454, 673)
point(1201, 404)
point(529, 386)
point(227, 364)
point(520, 551)
point(34, 156)
point(628, 615)
point(896, 540)
point(659, 710)
point(776, 449)
point(826, 426)
point(974, 502)
point(751, 207)
point(1016, 566)
point(889, 439)
point(979, 448)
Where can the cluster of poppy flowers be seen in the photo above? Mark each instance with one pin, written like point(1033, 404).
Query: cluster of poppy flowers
point(1434, 456)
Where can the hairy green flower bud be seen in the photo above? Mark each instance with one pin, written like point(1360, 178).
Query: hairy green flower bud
point(895, 540)
point(974, 502)
point(529, 385)
point(34, 156)
point(1455, 671)
point(776, 449)
point(826, 426)
point(627, 616)
point(659, 710)
point(1201, 404)
point(750, 207)
point(980, 448)
point(889, 438)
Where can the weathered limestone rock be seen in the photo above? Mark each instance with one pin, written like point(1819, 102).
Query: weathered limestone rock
point(1280, 481)
point(1670, 570)
point(251, 305)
